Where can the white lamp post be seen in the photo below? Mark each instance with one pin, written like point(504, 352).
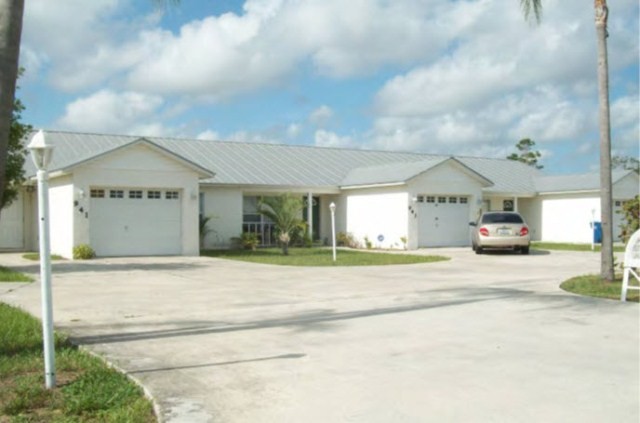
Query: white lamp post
point(332, 207)
point(41, 154)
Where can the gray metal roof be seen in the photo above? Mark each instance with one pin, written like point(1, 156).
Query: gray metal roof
point(236, 163)
point(581, 182)
point(389, 173)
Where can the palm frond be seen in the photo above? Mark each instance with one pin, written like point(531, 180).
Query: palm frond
point(532, 7)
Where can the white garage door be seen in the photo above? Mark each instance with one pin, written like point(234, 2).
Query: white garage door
point(129, 222)
point(443, 221)
point(12, 226)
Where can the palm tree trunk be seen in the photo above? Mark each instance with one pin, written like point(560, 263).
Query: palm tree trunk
point(11, 12)
point(606, 261)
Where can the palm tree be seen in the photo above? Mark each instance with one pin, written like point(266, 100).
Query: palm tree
point(601, 15)
point(11, 12)
point(285, 211)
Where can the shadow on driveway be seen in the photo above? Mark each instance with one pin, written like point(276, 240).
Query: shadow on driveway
point(315, 320)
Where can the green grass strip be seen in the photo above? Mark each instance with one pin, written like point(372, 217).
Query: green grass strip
point(565, 246)
point(595, 286)
point(8, 275)
point(321, 257)
point(36, 256)
point(87, 390)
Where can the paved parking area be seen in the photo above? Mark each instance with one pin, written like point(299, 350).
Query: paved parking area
point(477, 338)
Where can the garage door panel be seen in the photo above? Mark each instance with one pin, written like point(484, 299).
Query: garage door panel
point(443, 224)
point(143, 226)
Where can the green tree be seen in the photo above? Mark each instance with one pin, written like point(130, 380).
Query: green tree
point(526, 153)
point(631, 218)
point(604, 120)
point(16, 154)
point(285, 211)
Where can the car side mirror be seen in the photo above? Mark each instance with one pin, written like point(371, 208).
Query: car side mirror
point(472, 224)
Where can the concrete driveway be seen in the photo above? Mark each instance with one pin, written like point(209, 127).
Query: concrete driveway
point(478, 338)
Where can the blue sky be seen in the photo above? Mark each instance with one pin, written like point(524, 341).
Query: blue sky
point(437, 76)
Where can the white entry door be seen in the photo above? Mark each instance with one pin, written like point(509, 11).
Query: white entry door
point(131, 222)
point(443, 221)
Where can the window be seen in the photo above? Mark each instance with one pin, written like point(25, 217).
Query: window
point(171, 195)
point(431, 199)
point(618, 203)
point(501, 218)
point(442, 199)
point(116, 193)
point(453, 200)
point(154, 195)
point(463, 200)
point(135, 194)
point(97, 193)
point(420, 198)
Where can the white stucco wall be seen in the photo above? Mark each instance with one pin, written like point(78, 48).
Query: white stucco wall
point(12, 224)
point(140, 166)
point(531, 211)
point(224, 206)
point(61, 216)
point(378, 211)
point(568, 218)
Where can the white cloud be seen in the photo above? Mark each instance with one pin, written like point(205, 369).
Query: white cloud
point(325, 138)
point(208, 135)
point(111, 112)
point(293, 130)
point(321, 116)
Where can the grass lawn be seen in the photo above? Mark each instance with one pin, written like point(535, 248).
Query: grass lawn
point(36, 256)
point(8, 275)
point(594, 286)
point(570, 247)
point(320, 257)
point(87, 390)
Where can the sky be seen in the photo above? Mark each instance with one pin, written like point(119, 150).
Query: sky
point(448, 77)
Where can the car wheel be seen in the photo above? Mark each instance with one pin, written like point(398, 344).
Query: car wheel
point(473, 247)
point(525, 250)
point(478, 249)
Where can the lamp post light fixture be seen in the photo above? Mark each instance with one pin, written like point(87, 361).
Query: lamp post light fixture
point(41, 154)
point(332, 207)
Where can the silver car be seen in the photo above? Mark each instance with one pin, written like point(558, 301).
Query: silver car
point(504, 230)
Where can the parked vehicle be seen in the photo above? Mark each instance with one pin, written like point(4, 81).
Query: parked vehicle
point(500, 230)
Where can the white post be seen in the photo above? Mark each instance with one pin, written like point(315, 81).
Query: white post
point(45, 280)
point(310, 214)
point(332, 206)
point(515, 205)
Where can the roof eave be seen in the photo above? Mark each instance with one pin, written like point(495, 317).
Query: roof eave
point(380, 185)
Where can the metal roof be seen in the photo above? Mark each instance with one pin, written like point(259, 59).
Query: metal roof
point(581, 182)
point(237, 163)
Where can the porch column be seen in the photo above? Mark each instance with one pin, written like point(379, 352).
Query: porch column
point(515, 204)
point(310, 214)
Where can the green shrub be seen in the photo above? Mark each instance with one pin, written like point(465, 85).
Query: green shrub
point(83, 252)
point(347, 240)
point(368, 243)
point(249, 241)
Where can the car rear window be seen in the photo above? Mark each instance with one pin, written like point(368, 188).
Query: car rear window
point(502, 218)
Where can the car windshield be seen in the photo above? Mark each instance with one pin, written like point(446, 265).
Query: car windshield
point(502, 218)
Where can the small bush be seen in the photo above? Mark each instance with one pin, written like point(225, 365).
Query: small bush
point(347, 240)
point(249, 241)
point(83, 252)
point(368, 243)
